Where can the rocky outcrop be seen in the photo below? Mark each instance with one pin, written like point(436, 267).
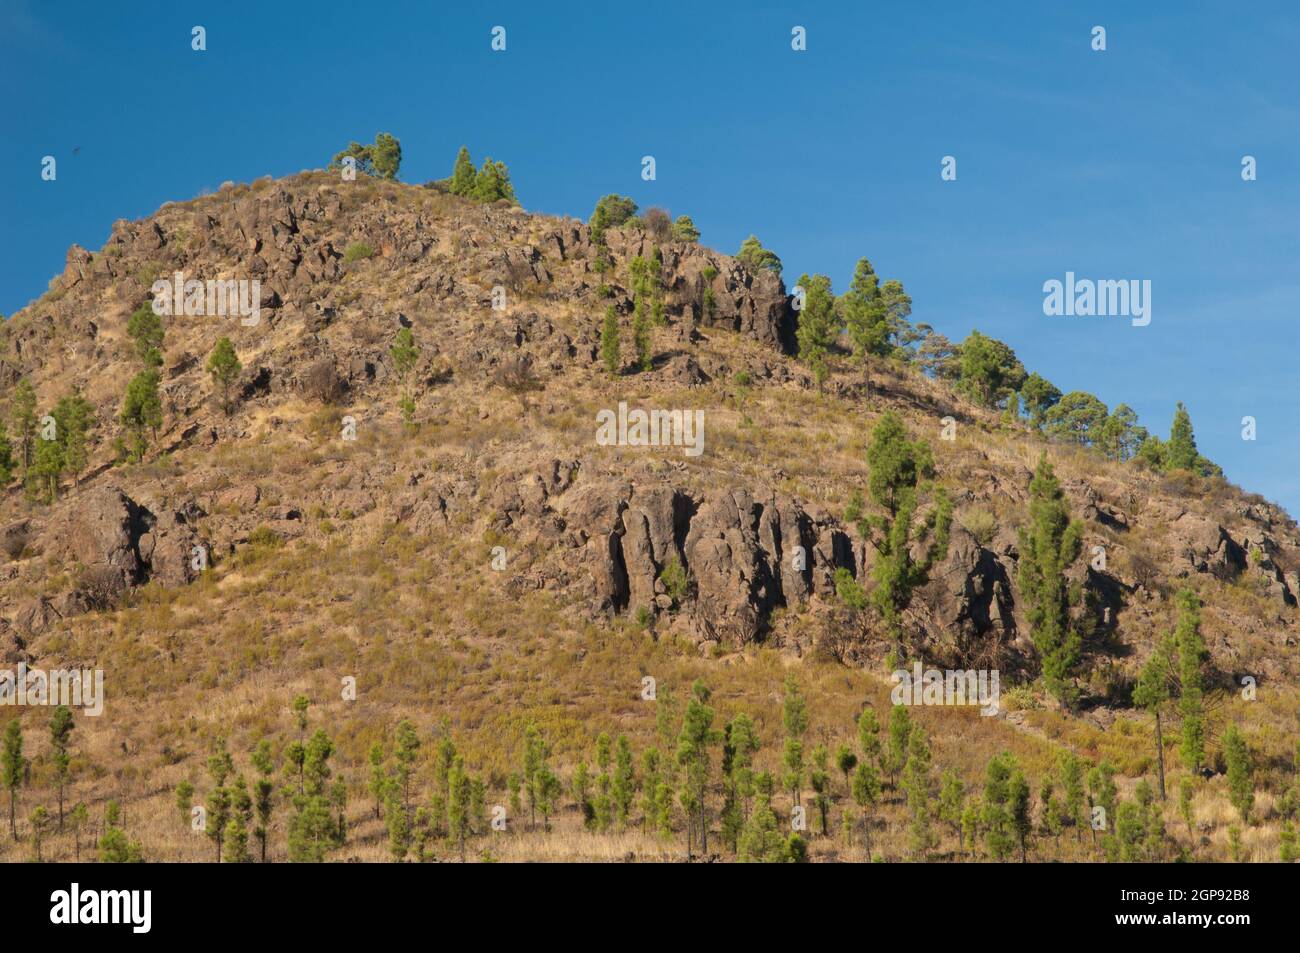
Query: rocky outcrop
point(120, 543)
point(1205, 546)
point(747, 555)
point(753, 303)
point(969, 603)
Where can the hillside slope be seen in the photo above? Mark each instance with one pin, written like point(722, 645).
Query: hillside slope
point(491, 563)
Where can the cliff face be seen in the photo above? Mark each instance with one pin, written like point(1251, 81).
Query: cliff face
point(756, 521)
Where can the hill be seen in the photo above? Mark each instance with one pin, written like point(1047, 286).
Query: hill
point(436, 528)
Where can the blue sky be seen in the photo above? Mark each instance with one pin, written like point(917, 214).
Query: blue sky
point(1120, 164)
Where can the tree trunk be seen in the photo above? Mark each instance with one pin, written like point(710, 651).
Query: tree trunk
point(1160, 756)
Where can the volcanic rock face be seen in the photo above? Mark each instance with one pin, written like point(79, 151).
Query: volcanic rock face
point(118, 543)
point(748, 554)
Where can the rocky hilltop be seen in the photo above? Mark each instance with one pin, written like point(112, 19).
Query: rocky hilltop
point(328, 321)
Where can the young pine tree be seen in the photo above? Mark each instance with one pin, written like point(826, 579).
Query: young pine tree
point(1049, 546)
point(816, 332)
point(900, 471)
point(693, 743)
point(141, 411)
point(22, 420)
point(61, 725)
point(224, 367)
point(794, 717)
point(1191, 656)
point(1152, 692)
point(13, 769)
point(1241, 789)
point(463, 175)
point(404, 354)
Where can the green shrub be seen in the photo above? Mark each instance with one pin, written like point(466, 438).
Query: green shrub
point(673, 576)
point(980, 523)
point(264, 538)
point(357, 251)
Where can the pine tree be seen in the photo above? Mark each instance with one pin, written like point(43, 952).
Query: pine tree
point(1052, 808)
point(970, 818)
point(846, 761)
point(74, 418)
point(641, 337)
point(377, 784)
point(693, 743)
point(142, 410)
point(580, 790)
point(1151, 693)
point(998, 818)
point(61, 725)
point(78, 817)
point(1102, 793)
point(819, 779)
point(145, 330)
point(1048, 548)
point(952, 804)
point(463, 174)
point(1241, 789)
point(989, 371)
point(609, 342)
point(220, 801)
point(1234, 843)
point(900, 733)
point(235, 850)
point(548, 789)
point(43, 475)
point(404, 354)
point(22, 418)
point(459, 805)
point(866, 794)
point(1039, 395)
point(1186, 789)
point(900, 471)
point(740, 744)
point(623, 788)
point(263, 795)
point(1070, 768)
point(1191, 655)
point(185, 800)
point(869, 736)
point(39, 820)
point(1021, 820)
point(864, 314)
point(757, 258)
point(816, 331)
point(794, 717)
point(611, 211)
point(396, 821)
point(6, 457)
point(1180, 450)
point(406, 748)
point(761, 841)
point(224, 367)
point(492, 183)
point(313, 830)
point(535, 754)
point(1287, 843)
point(916, 785)
point(684, 230)
point(13, 769)
point(443, 760)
